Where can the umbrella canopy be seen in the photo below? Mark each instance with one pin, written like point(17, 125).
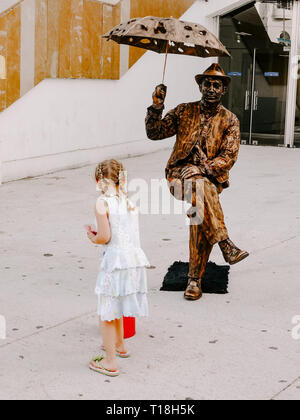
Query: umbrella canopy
point(168, 35)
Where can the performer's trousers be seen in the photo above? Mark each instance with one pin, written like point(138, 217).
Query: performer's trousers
point(207, 227)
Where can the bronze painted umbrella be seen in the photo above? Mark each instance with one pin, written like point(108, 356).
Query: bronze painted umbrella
point(168, 36)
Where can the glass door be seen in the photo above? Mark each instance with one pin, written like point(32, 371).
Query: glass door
point(259, 70)
point(269, 96)
point(240, 68)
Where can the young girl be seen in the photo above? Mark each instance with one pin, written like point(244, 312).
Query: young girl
point(122, 281)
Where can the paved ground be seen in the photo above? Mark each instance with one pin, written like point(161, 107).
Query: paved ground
point(237, 346)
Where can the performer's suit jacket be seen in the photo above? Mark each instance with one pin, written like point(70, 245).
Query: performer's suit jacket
point(211, 135)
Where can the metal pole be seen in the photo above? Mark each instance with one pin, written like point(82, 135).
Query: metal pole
point(289, 136)
point(252, 95)
point(165, 66)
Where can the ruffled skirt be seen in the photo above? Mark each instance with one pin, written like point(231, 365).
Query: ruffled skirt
point(122, 292)
point(118, 258)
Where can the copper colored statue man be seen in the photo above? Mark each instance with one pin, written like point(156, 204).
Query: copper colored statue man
point(206, 148)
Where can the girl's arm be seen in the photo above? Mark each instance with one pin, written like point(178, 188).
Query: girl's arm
point(103, 228)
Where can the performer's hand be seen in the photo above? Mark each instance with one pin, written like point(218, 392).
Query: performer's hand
point(159, 96)
point(208, 170)
point(189, 171)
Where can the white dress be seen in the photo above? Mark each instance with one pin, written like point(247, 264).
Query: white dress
point(122, 280)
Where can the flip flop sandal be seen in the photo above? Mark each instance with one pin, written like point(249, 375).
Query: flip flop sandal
point(121, 354)
point(96, 366)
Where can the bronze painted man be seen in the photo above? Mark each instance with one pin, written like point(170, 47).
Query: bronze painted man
point(206, 148)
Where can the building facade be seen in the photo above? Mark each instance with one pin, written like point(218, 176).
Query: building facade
point(68, 99)
point(62, 39)
point(264, 41)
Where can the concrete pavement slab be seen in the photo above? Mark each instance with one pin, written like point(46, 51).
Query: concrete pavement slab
point(235, 346)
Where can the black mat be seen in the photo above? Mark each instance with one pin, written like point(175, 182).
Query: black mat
point(215, 279)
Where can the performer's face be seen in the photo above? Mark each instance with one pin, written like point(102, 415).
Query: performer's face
point(212, 90)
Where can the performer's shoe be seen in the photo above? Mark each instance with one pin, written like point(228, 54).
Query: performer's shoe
point(231, 253)
point(193, 291)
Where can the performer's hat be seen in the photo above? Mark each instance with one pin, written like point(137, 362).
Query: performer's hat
point(216, 71)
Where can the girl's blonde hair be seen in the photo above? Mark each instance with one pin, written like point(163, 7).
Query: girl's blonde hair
point(113, 170)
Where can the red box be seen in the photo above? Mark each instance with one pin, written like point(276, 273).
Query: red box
point(129, 327)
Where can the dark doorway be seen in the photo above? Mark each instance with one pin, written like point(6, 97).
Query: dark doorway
point(259, 71)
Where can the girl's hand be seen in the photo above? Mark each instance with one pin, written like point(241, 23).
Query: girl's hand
point(103, 234)
point(91, 236)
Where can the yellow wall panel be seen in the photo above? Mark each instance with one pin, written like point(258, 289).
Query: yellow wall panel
point(3, 53)
point(76, 37)
point(40, 41)
point(106, 47)
point(53, 37)
point(161, 8)
point(115, 47)
point(13, 55)
point(92, 31)
point(110, 51)
point(64, 63)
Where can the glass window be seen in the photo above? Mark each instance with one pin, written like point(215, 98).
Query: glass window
point(258, 36)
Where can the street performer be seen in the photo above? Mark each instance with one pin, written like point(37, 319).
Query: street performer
point(206, 148)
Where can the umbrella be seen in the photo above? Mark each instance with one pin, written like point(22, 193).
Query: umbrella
point(168, 36)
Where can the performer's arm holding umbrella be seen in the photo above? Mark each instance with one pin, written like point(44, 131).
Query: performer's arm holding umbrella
point(156, 127)
point(166, 36)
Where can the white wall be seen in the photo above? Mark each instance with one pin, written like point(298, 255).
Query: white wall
point(66, 123)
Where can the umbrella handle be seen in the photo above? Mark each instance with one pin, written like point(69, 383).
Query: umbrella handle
point(165, 65)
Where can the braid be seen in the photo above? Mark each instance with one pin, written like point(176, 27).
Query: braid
point(123, 186)
point(114, 170)
point(99, 173)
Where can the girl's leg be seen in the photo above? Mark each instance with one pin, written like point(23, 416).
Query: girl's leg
point(109, 336)
point(120, 343)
